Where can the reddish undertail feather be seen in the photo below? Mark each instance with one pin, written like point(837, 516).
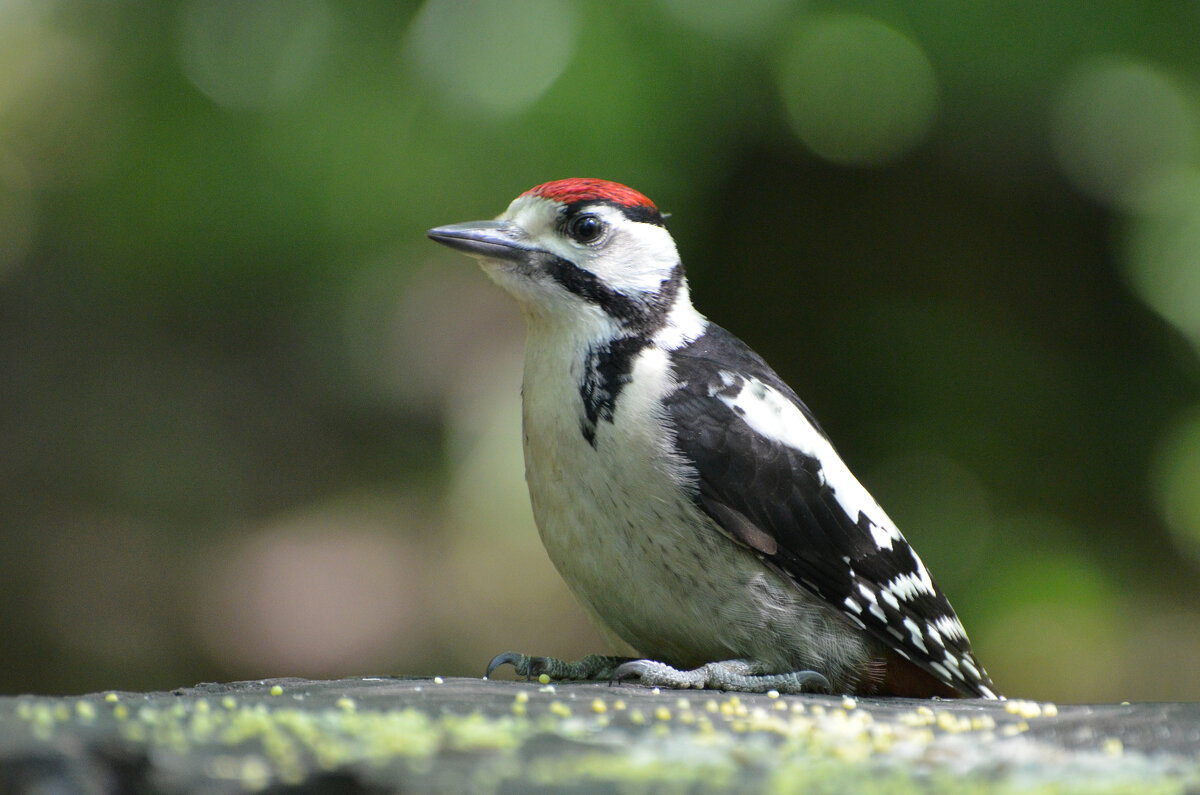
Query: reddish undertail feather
point(569, 191)
point(893, 675)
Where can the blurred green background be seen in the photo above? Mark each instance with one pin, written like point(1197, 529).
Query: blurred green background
point(252, 423)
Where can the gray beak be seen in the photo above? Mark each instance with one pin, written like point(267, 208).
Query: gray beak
point(492, 239)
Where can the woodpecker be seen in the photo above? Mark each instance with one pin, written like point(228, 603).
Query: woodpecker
point(686, 495)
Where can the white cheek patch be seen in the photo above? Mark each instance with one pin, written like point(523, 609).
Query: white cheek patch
point(637, 258)
point(773, 416)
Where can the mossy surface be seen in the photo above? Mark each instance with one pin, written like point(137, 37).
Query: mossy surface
point(467, 734)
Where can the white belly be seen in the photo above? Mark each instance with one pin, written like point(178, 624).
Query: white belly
point(636, 551)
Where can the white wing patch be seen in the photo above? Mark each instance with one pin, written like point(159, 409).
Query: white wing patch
point(773, 416)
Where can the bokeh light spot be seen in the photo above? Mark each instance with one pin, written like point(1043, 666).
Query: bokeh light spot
point(1162, 248)
point(247, 56)
point(494, 57)
point(727, 20)
point(1176, 482)
point(18, 212)
point(319, 593)
point(856, 90)
point(1117, 123)
point(1050, 607)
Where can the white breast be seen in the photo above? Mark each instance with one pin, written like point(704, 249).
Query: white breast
point(630, 542)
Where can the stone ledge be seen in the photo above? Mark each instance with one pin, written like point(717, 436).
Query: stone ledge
point(482, 736)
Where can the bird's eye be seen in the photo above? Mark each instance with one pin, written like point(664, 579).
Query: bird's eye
point(585, 228)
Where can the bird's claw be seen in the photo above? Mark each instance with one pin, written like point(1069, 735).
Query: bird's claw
point(735, 675)
point(523, 664)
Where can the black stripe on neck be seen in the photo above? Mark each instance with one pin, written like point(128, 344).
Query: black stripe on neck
point(643, 313)
point(608, 366)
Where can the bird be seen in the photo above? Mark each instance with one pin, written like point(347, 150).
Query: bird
point(684, 492)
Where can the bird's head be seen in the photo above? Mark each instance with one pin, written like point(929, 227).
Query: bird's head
point(579, 247)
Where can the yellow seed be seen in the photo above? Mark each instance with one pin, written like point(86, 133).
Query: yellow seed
point(1113, 747)
point(111, 697)
point(772, 694)
point(599, 706)
point(522, 697)
point(662, 713)
point(560, 709)
point(276, 690)
point(636, 716)
point(544, 679)
point(619, 704)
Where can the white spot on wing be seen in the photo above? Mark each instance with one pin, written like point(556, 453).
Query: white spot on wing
point(935, 636)
point(853, 605)
point(908, 585)
point(951, 627)
point(914, 632)
point(773, 416)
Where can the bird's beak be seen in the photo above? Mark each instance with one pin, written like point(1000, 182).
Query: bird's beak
point(491, 239)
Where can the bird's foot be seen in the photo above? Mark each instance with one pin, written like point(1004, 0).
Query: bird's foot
point(596, 667)
point(737, 675)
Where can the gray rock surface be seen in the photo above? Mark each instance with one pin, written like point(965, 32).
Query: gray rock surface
point(388, 734)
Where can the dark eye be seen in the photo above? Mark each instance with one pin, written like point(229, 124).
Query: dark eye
point(585, 228)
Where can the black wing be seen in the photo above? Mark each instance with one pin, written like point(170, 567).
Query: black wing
point(778, 498)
